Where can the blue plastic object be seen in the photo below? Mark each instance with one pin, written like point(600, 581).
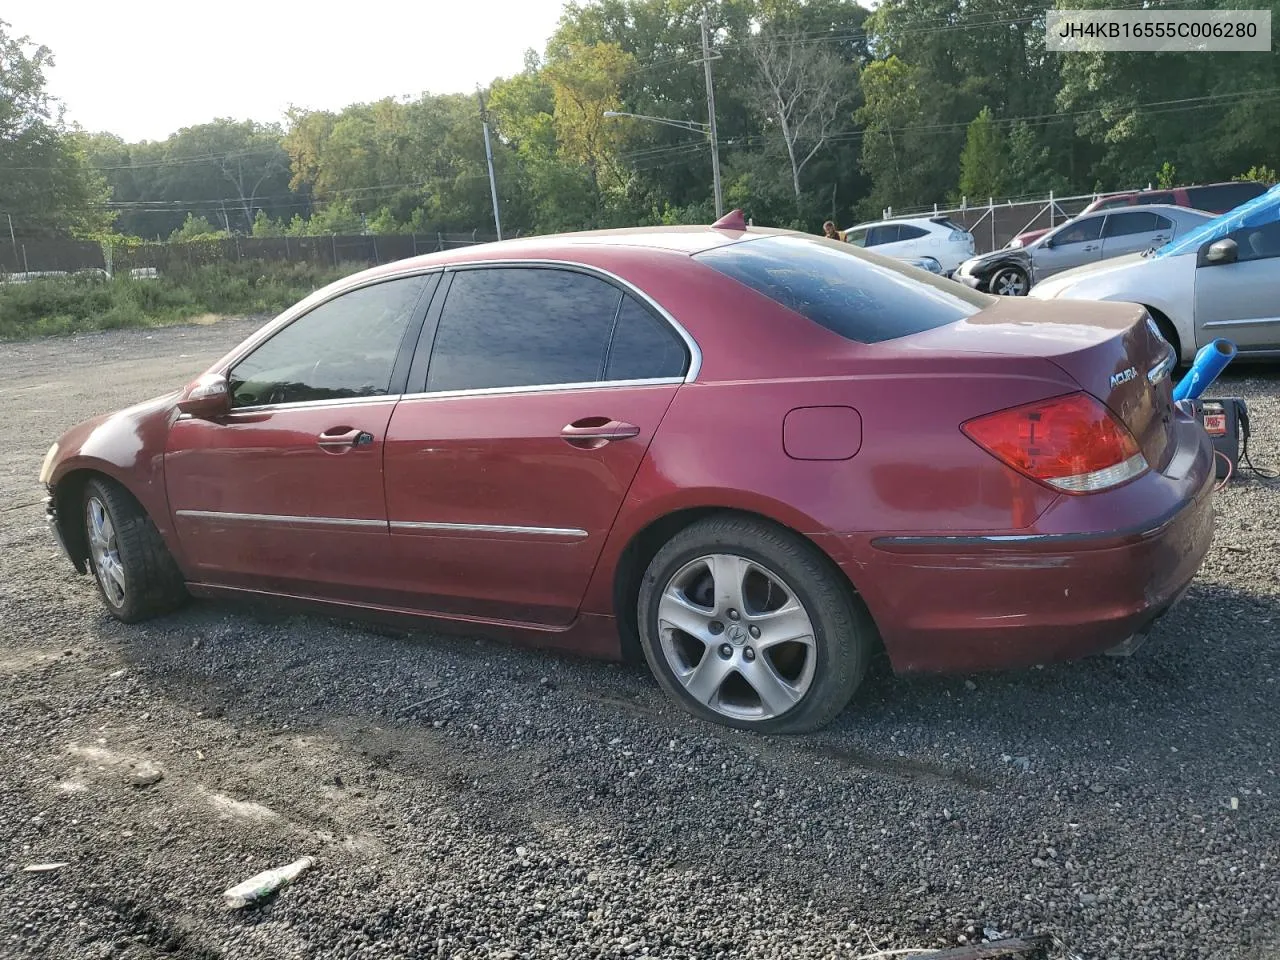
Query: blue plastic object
point(1210, 361)
point(1257, 212)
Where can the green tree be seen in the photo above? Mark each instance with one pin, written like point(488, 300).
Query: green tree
point(47, 187)
point(1259, 173)
point(264, 226)
point(196, 228)
point(983, 160)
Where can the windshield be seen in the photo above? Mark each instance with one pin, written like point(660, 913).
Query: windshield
point(849, 293)
point(1253, 213)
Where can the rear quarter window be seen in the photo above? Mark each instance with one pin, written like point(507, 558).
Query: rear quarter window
point(841, 290)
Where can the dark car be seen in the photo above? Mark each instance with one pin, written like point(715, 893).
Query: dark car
point(751, 455)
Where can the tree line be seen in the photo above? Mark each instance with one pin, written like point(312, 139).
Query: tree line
point(824, 109)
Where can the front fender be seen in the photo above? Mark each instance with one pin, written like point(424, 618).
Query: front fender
point(127, 446)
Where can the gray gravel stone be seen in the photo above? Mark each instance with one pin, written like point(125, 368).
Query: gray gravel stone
point(551, 807)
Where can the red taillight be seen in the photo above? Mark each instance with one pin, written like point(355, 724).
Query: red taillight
point(1073, 443)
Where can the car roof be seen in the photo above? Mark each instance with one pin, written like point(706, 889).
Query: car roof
point(918, 221)
point(1153, 208)
point(587, 247)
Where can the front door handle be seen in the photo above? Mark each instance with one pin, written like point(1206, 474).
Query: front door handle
point(594, 432)
point(340, 438)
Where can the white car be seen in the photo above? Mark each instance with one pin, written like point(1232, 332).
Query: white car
point(1222, 279)
point(938, 237)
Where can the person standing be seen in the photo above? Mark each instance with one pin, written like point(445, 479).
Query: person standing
point(830, 232)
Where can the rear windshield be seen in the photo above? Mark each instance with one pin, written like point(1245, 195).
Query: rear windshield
point(845, 290)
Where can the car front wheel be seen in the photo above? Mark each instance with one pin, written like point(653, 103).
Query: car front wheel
point(751, 626)
point(1009, 282)
point(134, 570)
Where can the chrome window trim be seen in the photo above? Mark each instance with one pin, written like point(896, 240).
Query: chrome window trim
point(573, 532)
point(278, 518)
point(544, 388)
point(245, 412)
point(695, 352)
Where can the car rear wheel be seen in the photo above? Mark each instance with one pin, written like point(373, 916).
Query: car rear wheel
point(1009, 282)
point(134, 570)
point(750, 626)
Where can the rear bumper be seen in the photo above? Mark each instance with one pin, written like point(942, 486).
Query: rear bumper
point(960, 603)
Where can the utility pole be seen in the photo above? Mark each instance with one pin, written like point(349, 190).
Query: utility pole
point(711, 116)
point(488, 155)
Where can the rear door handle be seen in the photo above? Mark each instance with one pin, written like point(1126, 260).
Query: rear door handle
point(594, 432)
point(338, 438)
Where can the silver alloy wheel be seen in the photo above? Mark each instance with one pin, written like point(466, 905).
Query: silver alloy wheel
point(737, 638)
point(1010, 282)
point(106, 551)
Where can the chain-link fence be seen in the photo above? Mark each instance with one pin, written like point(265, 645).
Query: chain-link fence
point(996, 222)
point(23, 258)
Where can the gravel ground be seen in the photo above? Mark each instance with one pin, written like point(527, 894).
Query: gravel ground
point(467, 799)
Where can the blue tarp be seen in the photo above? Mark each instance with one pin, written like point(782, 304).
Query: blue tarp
point(1252, 213)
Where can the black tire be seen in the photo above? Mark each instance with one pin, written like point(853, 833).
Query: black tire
point(843, 634)
point(152, 584)
point(1013, 279)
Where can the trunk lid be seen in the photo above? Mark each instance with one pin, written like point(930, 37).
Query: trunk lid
point(1112, 350)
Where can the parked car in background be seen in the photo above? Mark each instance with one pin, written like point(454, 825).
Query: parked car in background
point(1089, 238)
point(750, 456)
point(1209, 197)
point(938, 237)
point(1220, 280)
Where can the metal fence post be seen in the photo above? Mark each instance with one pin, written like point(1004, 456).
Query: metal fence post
point(991, 209)
point(1051, 203)
point(333, 243)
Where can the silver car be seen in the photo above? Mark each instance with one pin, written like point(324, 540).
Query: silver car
point(1087, 239)
point(1111, 233)
point(1221, 279)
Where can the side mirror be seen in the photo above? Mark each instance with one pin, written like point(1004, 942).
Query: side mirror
point(206, 398)
point(1222, 251)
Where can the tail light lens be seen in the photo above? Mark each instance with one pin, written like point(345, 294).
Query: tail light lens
point(1072, 443)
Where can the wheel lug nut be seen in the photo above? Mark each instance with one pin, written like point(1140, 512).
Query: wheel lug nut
point(748, 654)
point(733, 614)
point(716, 628)
point(754, 631)
point(726, 651)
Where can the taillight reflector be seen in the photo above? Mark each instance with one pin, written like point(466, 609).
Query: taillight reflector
point(1072, 443)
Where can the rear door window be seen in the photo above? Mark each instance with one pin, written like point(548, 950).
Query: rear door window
point(522, 326)
point(1125, 224)
point(643, 346)
point(908, 232)
point(878, 236)
point(841, 291)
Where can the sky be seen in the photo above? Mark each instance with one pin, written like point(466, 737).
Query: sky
point(144, 69)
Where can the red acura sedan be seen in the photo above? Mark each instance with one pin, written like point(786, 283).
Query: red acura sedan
point(751, 455)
